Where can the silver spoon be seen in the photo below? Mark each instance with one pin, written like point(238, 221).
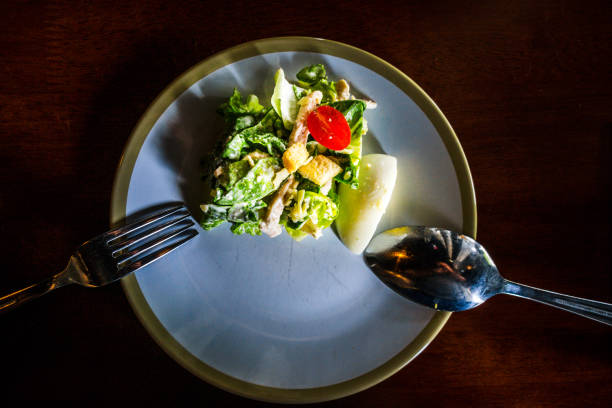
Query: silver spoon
point(449, 271)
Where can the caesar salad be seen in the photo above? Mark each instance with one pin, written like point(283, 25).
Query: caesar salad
point(280, 166)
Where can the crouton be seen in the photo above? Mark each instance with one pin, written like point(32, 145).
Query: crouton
point(320, 170)
point(295, 156)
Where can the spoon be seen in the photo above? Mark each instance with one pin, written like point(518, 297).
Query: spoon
point(448, 271)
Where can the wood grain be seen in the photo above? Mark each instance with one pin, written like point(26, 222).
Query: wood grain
point(526, 86)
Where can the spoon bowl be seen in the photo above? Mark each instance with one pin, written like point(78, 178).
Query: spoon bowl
point(449, 271)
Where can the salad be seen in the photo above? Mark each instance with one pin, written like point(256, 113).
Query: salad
point(280, 166)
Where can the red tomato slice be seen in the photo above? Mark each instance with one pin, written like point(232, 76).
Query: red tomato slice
point(328, 126)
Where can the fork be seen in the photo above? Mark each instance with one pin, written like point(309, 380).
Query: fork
point(115, 254)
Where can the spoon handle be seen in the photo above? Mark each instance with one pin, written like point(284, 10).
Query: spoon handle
point(592, 309)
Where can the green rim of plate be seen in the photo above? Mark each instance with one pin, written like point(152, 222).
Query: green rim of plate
point(150, 117)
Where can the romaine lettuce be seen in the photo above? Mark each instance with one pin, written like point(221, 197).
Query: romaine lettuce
point(314, 78)
point(248, 227)
point(353, 113)
point(234, 107)
point(243, 216)
point(311, 212)
point(274, 145)
point(285, 99)
point(262, 134)
point(236, 171)
point(211, 217)
point(312, 74)
point(254, 185)
point(294, 233)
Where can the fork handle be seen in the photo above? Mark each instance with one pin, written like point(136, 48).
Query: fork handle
point(17, 298)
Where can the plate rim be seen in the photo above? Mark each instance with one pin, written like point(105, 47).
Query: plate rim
point(131, 151)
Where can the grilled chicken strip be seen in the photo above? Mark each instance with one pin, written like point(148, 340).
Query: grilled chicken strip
point(343, 90)
point(299, 134)
point(270, 225)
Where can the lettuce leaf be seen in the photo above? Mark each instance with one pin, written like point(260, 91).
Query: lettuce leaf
point(274, 145)
point(236, 171)
point(312, 74)
point(243, 122)
point(294, 233)
point(285, 99)
point(322, 211)
point(308, 185)
point(311, 213)
point(238, 214)
point(314, 78)
point(212, 219)
point(254, 185)
point(351, 156)
point(235, 107)
point(262, 134)
point(352, 109)
point(248, 227)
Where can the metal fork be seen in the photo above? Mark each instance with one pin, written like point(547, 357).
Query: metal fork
point(116, 253)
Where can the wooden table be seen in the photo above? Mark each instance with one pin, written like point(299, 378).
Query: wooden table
point(526, 85)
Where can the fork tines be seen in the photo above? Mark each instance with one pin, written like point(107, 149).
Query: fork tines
point(135, 245)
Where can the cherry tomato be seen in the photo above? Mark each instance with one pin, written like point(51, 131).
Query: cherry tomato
point(328, 126)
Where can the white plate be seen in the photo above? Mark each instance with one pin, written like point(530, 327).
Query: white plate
point(273, 319)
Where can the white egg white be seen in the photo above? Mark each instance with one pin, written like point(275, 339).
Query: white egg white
point(361, 209)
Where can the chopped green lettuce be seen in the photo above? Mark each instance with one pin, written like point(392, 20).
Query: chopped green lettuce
point(234, 107)
point(314, 78)
point(247, 227)
point(350, 157)
point(311, 212)
point(308, 185)
point(212, 219)
point(238, 214)
point(272, 144)
point(254, 185)
point(294, 233)
point(285, 99)
point(311, 74)
point(243, 122)
point(234, 147)
point(352, 109)
point(261, 134)
point(236, 171)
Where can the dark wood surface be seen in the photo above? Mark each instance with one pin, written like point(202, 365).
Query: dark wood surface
point(526, 85)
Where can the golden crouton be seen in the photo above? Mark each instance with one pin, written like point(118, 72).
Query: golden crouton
point(320, 169)
point(295, 156)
